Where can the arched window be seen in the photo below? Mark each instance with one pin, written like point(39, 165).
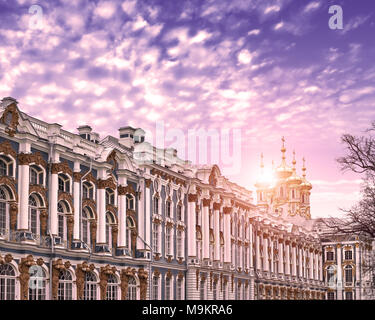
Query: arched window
point(87, 190)
point(62, 210)
point(87, 215)
point(109, 196)
point(64, 183)
point(167, 288)
point(130, 226)
point(348, 274)
point(33, 215)
point(65, 286)
point(109, 222)
point(37, 283)
point(3, 212)
point(112, 286)
point(132, 289)
point(130, 203)
point(7, 282)
point(36, 175)
point(155, 287)
point(330, 275)
point(89, 292)
point(6, 166)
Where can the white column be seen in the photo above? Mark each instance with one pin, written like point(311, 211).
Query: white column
point(340, 280)
point(320, 268)
point(53, 196)
point(257, 250)
point(301, 262)
point(251, 242)
point(294, 260)
point(76, 204)
point(23, 191)
point(266, 256)
point(148, 211)
point(100, 201)
point(121, 238)
point(192, 250)
point(287, 270)
point(316, 255)
point(271, 258)
point(357, 272)
point(141, 216)
point(217, 231)
point(281, 258)
point(227, 237)
point(206, 229)
point(312, 265)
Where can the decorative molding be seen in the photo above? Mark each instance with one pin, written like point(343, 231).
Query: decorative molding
point(9, 182)
point(14, 121)
point(109, 183)
point(192, 197)
point(24, 276)
point(57, 266)
point(104, 273)
point(6, 148)
point(143, 276)
point(68, 198)
point(37, 188)
point(61, 167)
point(80, 277)
point(92, 205)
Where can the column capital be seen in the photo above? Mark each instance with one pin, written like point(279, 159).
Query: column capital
point(192, 197)
point(206, 202)
point(227, 210)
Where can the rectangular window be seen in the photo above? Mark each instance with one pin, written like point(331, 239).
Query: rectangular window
point(330, 295)
point(179, 243)
point(330, 256)
point(168, 209)
point(348, 295)
point(348, 255)
point(2, 216)
point(155, 237)
point(179, 289)
point(203, 290)
point(179, 212)
point(167, 289)
point(156, 205)
point(155, 288)
point(168, 241)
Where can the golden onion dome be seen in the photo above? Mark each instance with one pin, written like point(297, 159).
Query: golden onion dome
point(305, 184)
point(294, 178)
point(283, 171)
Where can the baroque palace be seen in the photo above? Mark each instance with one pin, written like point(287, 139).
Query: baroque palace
point(116, 218)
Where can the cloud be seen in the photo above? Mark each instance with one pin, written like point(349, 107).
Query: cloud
point(105, 9)
point(311, 6)
point(244, 56)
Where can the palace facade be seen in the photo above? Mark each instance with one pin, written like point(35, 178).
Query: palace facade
point(116, 218)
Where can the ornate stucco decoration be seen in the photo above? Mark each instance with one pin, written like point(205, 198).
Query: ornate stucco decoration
point(57, 266)
point(10, 118)
point(125, 275)
point(80, 277)
point(61, 167)
point(24, 276)
point(6, 148)
point(105, 272)
point(143, 276)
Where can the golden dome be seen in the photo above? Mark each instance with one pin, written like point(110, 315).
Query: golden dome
point(305, 184)
point(283, 171)
point(294, 178)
